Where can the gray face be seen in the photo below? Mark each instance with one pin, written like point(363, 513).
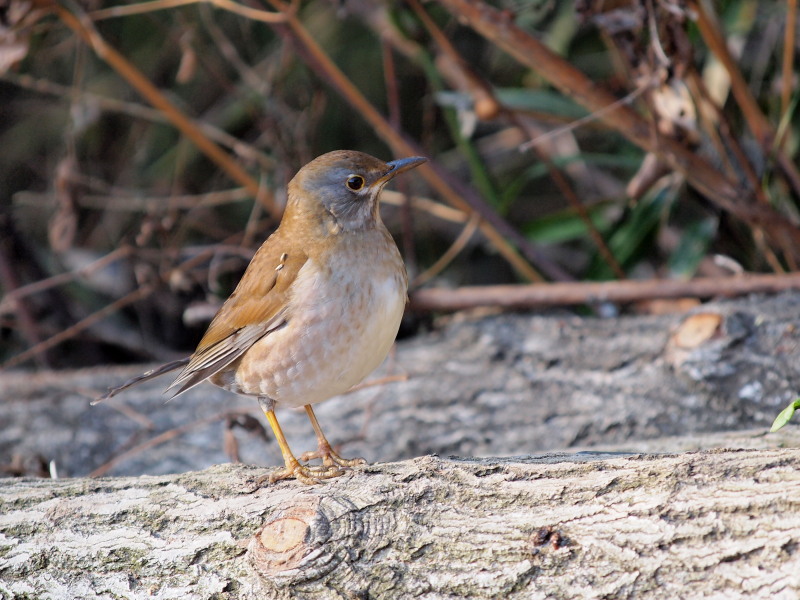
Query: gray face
point(347, 186)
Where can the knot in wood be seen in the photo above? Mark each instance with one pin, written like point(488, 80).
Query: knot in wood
point(288, 537)
point(697, 329)
point(304, 540)
point(700, 345)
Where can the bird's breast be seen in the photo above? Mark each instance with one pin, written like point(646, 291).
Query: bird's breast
point(344, 311)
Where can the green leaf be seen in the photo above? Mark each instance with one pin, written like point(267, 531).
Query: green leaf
point(692, 248)
point(540, 100)
point(784, 416)
point(630, 241)
point(565, 226)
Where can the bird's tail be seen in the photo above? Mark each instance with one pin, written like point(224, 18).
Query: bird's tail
point(152, 373)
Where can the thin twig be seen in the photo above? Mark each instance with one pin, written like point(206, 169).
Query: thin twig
point(134, 415)
point(55, 280)
point(129, 202)
point(787, 68)
point(147, 7)
point(83, 26)
point(453, 251)
point(239, 147)
point(376, 382)
point(593, 116)
point(497, 27)
point(743, 165)
point(577, 293)
point(710, 30)
point(731, 142)
point(393, 102)
point(493, 227)
point(78, 327)
point(158, 440)
point(759, 124)
point(9, 279)
point(433, 208)
point(483, 93)
point(227, 49)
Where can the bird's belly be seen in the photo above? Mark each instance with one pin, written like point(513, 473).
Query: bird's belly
point(339, 334)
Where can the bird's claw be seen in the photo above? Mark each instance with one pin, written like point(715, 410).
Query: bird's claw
point(309, 475)
point(331, 460)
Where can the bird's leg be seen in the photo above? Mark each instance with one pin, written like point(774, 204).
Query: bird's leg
point(324, 451)
point(292, 468)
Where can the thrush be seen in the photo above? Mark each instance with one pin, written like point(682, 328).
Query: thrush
point(317, 309)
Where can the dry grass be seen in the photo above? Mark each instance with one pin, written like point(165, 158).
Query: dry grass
point(147, 148)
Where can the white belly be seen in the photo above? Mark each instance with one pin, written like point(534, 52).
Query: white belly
point(339, 330)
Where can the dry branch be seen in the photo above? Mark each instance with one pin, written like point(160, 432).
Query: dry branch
point(571, 293)
point(498, 27)
point(498, 231)
point(82, 25)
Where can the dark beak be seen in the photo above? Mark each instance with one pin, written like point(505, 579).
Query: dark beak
point(401, 166)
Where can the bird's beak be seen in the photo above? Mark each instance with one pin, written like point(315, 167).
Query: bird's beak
point(402, 165)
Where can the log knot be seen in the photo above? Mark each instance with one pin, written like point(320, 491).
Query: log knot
point(305, 539)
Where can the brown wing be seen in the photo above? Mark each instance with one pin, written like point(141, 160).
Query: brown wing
point(257, 306)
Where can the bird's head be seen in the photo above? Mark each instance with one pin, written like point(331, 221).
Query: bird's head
point(342, 188)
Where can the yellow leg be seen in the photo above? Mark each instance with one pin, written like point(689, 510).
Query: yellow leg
point(292, 468)
point(324, 451)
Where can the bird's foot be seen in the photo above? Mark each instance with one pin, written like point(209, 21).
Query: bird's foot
point(310, 475)
point(331, 460)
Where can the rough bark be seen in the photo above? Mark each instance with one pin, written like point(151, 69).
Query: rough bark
point(588, 525)
point(476, 386)
point(709, 524)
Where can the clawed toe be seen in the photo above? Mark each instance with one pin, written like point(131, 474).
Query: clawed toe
point(310, 475)
point(332, 465)
point(330, 459)
point(324, 451)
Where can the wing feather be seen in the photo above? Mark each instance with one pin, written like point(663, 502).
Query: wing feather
point(257, 307)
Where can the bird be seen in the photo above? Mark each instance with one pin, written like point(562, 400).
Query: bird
point(317, 309)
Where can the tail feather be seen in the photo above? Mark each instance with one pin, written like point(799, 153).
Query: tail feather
point(151, 374)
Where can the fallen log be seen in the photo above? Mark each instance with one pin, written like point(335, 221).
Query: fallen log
point(722, 524)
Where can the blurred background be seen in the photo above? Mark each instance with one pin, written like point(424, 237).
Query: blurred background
point(146, 149)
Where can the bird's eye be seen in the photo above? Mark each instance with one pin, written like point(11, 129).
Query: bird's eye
point(355, 182)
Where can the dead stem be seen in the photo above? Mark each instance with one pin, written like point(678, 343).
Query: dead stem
point(83, 26)
point(578, 293)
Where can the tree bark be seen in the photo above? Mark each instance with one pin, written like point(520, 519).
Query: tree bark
point(588, 525)
point(495, 385)
point(708, 524)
